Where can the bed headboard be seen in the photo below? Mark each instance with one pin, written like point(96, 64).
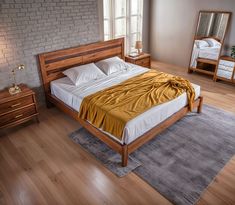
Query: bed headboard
point(202, 37)
point(52, 64)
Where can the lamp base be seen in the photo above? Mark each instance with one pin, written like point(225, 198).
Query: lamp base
point(139, 52)
point(14, 90)
point(134, 55)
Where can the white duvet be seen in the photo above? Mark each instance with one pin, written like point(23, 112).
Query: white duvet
point(73, 96)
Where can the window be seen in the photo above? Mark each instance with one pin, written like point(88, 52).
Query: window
point(123, 18)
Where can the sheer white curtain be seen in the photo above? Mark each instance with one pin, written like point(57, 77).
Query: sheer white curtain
point(123, 18)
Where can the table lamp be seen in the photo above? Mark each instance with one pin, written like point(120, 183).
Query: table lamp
point(138, 46)
point(15, 88)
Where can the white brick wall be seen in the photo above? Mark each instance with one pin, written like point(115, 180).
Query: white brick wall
point(30, 27)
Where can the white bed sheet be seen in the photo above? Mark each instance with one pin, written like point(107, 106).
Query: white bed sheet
point(211, 53)
point(73, 96)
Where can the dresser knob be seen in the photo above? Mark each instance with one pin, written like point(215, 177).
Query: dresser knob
point(17, 116)
point(15, 105)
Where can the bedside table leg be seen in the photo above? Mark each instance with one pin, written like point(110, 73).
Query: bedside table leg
point(49, 104)
point(37, 119)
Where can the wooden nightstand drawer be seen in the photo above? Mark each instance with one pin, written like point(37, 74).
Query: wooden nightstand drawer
point(17, 115)
point(143, 62)
point(16, 104)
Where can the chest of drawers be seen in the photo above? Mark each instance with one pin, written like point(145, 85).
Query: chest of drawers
point(19, 108)
point(225, 70)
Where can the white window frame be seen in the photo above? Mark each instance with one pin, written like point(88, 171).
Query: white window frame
point(128, 35)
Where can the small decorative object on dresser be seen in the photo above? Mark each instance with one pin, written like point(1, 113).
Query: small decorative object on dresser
point(138, 46)
point(225, 69)
point(18, 108)
point(15, 88)
point(143, 60)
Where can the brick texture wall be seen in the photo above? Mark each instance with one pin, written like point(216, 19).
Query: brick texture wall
point(30, 27)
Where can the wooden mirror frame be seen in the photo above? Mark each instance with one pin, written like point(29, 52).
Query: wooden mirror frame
point(190, 69)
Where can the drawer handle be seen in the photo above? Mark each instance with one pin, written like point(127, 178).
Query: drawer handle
point(17, 116)
point(15, 105)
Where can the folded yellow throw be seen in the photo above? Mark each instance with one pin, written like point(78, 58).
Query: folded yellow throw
point(112, 108)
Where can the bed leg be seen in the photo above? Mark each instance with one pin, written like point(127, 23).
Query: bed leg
point(124, 155)
point(199, 109)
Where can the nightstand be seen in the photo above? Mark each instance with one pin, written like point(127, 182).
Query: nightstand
point(142, 60)
point(18, 108)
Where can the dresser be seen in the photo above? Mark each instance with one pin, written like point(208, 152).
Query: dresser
point(225, 69)
point(18, 108)
point(142, 60)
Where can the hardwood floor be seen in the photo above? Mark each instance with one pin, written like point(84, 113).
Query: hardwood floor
point(39, 164)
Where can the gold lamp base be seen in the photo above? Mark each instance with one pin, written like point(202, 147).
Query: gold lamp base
point(14, 90)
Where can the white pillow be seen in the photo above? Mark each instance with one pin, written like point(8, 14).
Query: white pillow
point(201, 44)
point(84, 73)
point(212, 42)
point(112, 65)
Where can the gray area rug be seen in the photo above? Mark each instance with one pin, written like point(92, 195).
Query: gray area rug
point(182, 161)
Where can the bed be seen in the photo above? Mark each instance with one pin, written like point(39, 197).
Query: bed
point(63, 94)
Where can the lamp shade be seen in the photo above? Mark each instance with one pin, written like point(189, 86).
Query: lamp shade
point(138, 45)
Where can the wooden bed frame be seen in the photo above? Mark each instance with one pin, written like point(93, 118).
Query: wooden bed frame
point(52, 65)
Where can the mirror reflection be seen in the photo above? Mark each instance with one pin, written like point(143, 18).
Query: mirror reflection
point(208, 41)
point(212, 25)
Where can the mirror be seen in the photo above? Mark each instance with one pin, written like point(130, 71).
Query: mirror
point(212, 25)
point(208, 41)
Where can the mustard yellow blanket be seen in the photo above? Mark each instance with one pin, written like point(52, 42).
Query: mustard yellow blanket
point(112, 108)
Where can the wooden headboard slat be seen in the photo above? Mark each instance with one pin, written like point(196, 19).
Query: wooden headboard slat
point(93, 57)
point(54, 76)
point(81, 50)
point(52, 64)
point(77, 54)
point(68, 62)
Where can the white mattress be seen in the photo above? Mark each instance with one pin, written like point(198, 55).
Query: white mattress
point(73, 96)
point(211, 53)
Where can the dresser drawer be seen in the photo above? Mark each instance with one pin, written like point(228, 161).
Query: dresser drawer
point(225, 74)
point(227, 63)
point(146, 65)
point(15, 104)
point(17, 115)
point(225, 68)
point(143, 62)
